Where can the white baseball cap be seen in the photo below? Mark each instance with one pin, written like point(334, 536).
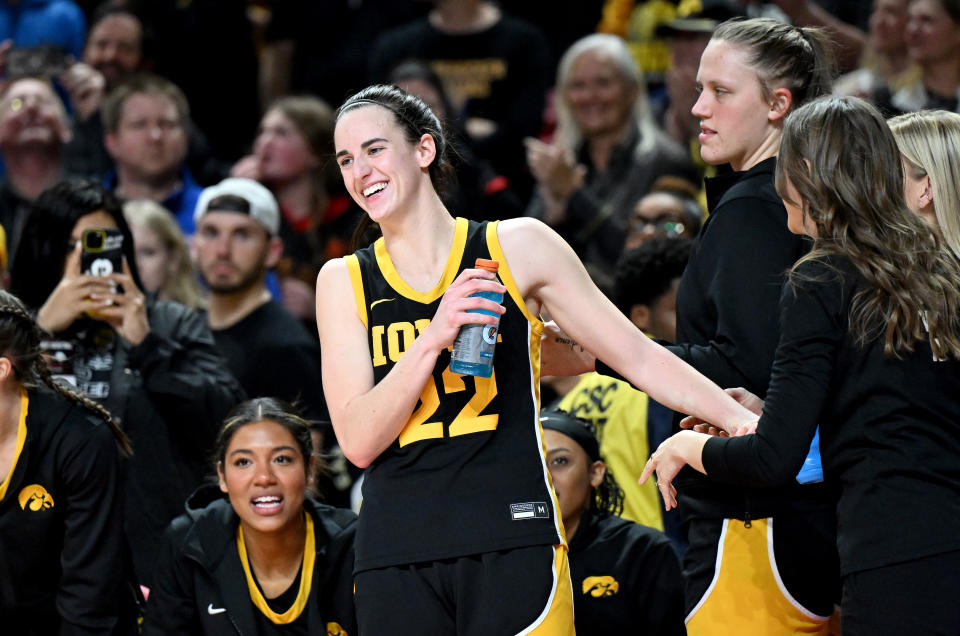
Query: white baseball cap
point(259, 202)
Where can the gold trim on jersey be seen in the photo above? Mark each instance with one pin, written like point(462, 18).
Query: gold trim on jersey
point(533, 349)
point(747, 595)
point(450, 270)
point(306, 578)
point(493, 244)
point(21, 439)
point(557, 616)
point(356, 280)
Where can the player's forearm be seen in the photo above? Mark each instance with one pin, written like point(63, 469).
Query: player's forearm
point(369, 423)
point(672, 382)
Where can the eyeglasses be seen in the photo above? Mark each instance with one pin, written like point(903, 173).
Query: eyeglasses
point(658, 227)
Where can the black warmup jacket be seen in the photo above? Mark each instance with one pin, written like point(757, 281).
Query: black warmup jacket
point(626, 579)
point(170, 394)
point(889, 428)
point(728, 323)
point(199, 573)
point(64, 566)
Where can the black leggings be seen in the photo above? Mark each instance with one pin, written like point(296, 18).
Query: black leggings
point(914, 598)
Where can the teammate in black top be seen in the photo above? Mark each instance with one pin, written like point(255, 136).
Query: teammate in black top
point(64, 559)
point(266, 558)
point(394, 403)
point(868, 351)
point(626, 577)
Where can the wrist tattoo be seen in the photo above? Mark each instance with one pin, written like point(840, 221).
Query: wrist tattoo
point(567, 341)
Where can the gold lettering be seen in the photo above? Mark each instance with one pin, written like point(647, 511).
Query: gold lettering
point(376, 335)
point(394, 349)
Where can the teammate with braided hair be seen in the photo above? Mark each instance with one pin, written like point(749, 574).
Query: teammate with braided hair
point(626, 577)
point(62, 553)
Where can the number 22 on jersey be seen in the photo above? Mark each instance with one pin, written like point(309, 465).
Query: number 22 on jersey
point(467, 421)
point(399, 336)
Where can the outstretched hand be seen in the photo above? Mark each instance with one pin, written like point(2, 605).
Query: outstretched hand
point(686, 447)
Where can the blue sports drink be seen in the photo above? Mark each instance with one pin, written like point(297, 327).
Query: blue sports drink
point(473, 346)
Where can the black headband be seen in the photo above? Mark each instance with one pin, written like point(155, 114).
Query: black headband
point(574, 428)
point(396, 111)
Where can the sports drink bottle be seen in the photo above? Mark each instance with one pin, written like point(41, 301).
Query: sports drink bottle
point(473, 346)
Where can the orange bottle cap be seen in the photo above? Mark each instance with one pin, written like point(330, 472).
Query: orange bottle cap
point(490, 266)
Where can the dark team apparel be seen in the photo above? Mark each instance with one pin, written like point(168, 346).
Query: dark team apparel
point(467, 473)
point(64, 567)
point(626, 579)
point(204, 583)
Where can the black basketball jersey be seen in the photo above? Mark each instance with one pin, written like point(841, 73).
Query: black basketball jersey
point(468, 472)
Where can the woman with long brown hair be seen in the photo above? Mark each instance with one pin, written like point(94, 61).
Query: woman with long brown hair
point(869, 351)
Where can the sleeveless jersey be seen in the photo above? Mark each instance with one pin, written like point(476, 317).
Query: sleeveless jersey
point(468, 472)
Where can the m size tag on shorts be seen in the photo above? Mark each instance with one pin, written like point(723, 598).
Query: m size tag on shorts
point(530, 510)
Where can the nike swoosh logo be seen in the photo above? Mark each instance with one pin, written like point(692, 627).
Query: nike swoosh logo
point(211, 610)
point(382, 300)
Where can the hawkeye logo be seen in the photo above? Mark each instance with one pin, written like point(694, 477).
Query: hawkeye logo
point(35, 497)
point(599, 586)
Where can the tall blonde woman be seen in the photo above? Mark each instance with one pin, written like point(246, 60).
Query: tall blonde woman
point(929, 143)
point(162, 254)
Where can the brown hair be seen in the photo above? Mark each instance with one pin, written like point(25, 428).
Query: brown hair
point(841, 157)
point(142, 84)
point(798, 58)
point(415, 119)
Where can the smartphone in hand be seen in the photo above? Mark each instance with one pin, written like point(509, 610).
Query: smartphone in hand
point(102, 251)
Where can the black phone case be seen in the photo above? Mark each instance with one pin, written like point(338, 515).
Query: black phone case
point(107, 258)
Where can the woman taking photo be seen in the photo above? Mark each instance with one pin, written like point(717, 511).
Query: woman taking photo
point(869, 351)
point(62, 551)
point(626, 577)
point(265, 559)
point(929, 144)
point(472, 448)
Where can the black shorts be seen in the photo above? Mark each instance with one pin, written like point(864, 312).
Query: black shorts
point(521, 591)
point(916, 597)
